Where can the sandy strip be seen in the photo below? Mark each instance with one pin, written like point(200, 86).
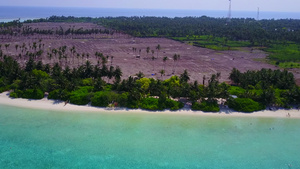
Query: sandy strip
point(46, 104)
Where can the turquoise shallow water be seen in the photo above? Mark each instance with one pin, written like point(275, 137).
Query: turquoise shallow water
point(49, 139)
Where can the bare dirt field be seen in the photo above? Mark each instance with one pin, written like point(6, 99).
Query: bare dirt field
point(197, 61)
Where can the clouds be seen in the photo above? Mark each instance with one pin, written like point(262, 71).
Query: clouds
point(242, 5)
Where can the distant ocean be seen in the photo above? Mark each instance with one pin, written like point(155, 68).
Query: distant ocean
point(24, 13)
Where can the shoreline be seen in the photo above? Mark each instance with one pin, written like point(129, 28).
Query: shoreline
point(54, 105)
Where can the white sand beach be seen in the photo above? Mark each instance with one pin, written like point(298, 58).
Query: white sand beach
point(46, 104)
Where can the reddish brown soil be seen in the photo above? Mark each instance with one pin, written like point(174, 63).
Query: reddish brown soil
point(198, 61)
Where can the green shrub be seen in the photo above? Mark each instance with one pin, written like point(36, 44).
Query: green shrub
point(160, 104)
point(234, 90)
point(245, 105)
point(59, 94)
point(132, 104)
point(149, 104)
point(55, 94)
point(206, 106)
point(174, 105)
point(4, 88)
point(87, 82)
point(33, 94)
point(81, 96)
point(123, 99)
point(13, 95)
point(104, 98)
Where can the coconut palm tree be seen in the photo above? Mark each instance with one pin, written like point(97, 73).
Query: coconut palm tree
point(185, 77)
point(16, 46)
point(162, 72)
point(158, 49)
point(153, 58)
point(6, 46)
point(152, 51)
point(175, 58)
point(117, 73)
point(111, 60)
point(140, 75)
point(165, 60)
point(148, 50)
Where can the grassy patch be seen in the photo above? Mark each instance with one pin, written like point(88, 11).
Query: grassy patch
point(284, 52)
point(215, 43)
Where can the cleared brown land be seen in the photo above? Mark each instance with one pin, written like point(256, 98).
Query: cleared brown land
point(198, 61)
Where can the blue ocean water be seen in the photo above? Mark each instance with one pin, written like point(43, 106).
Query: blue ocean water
point(24, 13)
point(51, 139)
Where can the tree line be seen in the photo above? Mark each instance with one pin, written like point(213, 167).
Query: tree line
point(103, 86)
point(238, 29)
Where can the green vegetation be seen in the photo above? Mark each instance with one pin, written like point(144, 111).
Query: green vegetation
point(280, 38)
point(85, 84)
point(160, 104)
point(211, 42)
point(81, 96)
point(268, 87)
point(104, 98)
point(206, 106)
point(245, 105)
point(59, 94)
point(285, 54)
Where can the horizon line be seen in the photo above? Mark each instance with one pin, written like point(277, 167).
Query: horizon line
point(182, 9)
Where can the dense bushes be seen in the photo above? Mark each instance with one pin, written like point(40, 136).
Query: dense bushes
point(245, 105)
point(59, 94)
point(173, 105)
point(157, 104)
point(104, 98)
point(28, 94)
point(206, 106)
point(235, 90)
point(33, 94)
point(150, 104)
point(81, 96)
point(4, 88)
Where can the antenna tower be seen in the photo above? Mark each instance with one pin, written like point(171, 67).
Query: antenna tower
point(257, 17)
point(229, 12)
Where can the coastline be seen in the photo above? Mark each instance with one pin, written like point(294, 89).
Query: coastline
point(45, 104)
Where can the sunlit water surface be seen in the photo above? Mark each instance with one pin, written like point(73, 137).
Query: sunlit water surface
point(50, 139)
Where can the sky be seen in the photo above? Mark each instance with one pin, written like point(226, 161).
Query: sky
point(237, 5)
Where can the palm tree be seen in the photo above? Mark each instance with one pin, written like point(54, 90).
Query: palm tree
point(175, 58)
point(49, 56)
point(104, 60)
point(162, 72)
point(185, 77)
point(153, 61)
point(117, 73)
point(140, 75)
point(148, 50)
point(16, 46)
point(152, 51)
point(6, 46)
point(111, 60)
point(165, 60)
point(82, 57)
point(158, 48)
point(204, 78)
